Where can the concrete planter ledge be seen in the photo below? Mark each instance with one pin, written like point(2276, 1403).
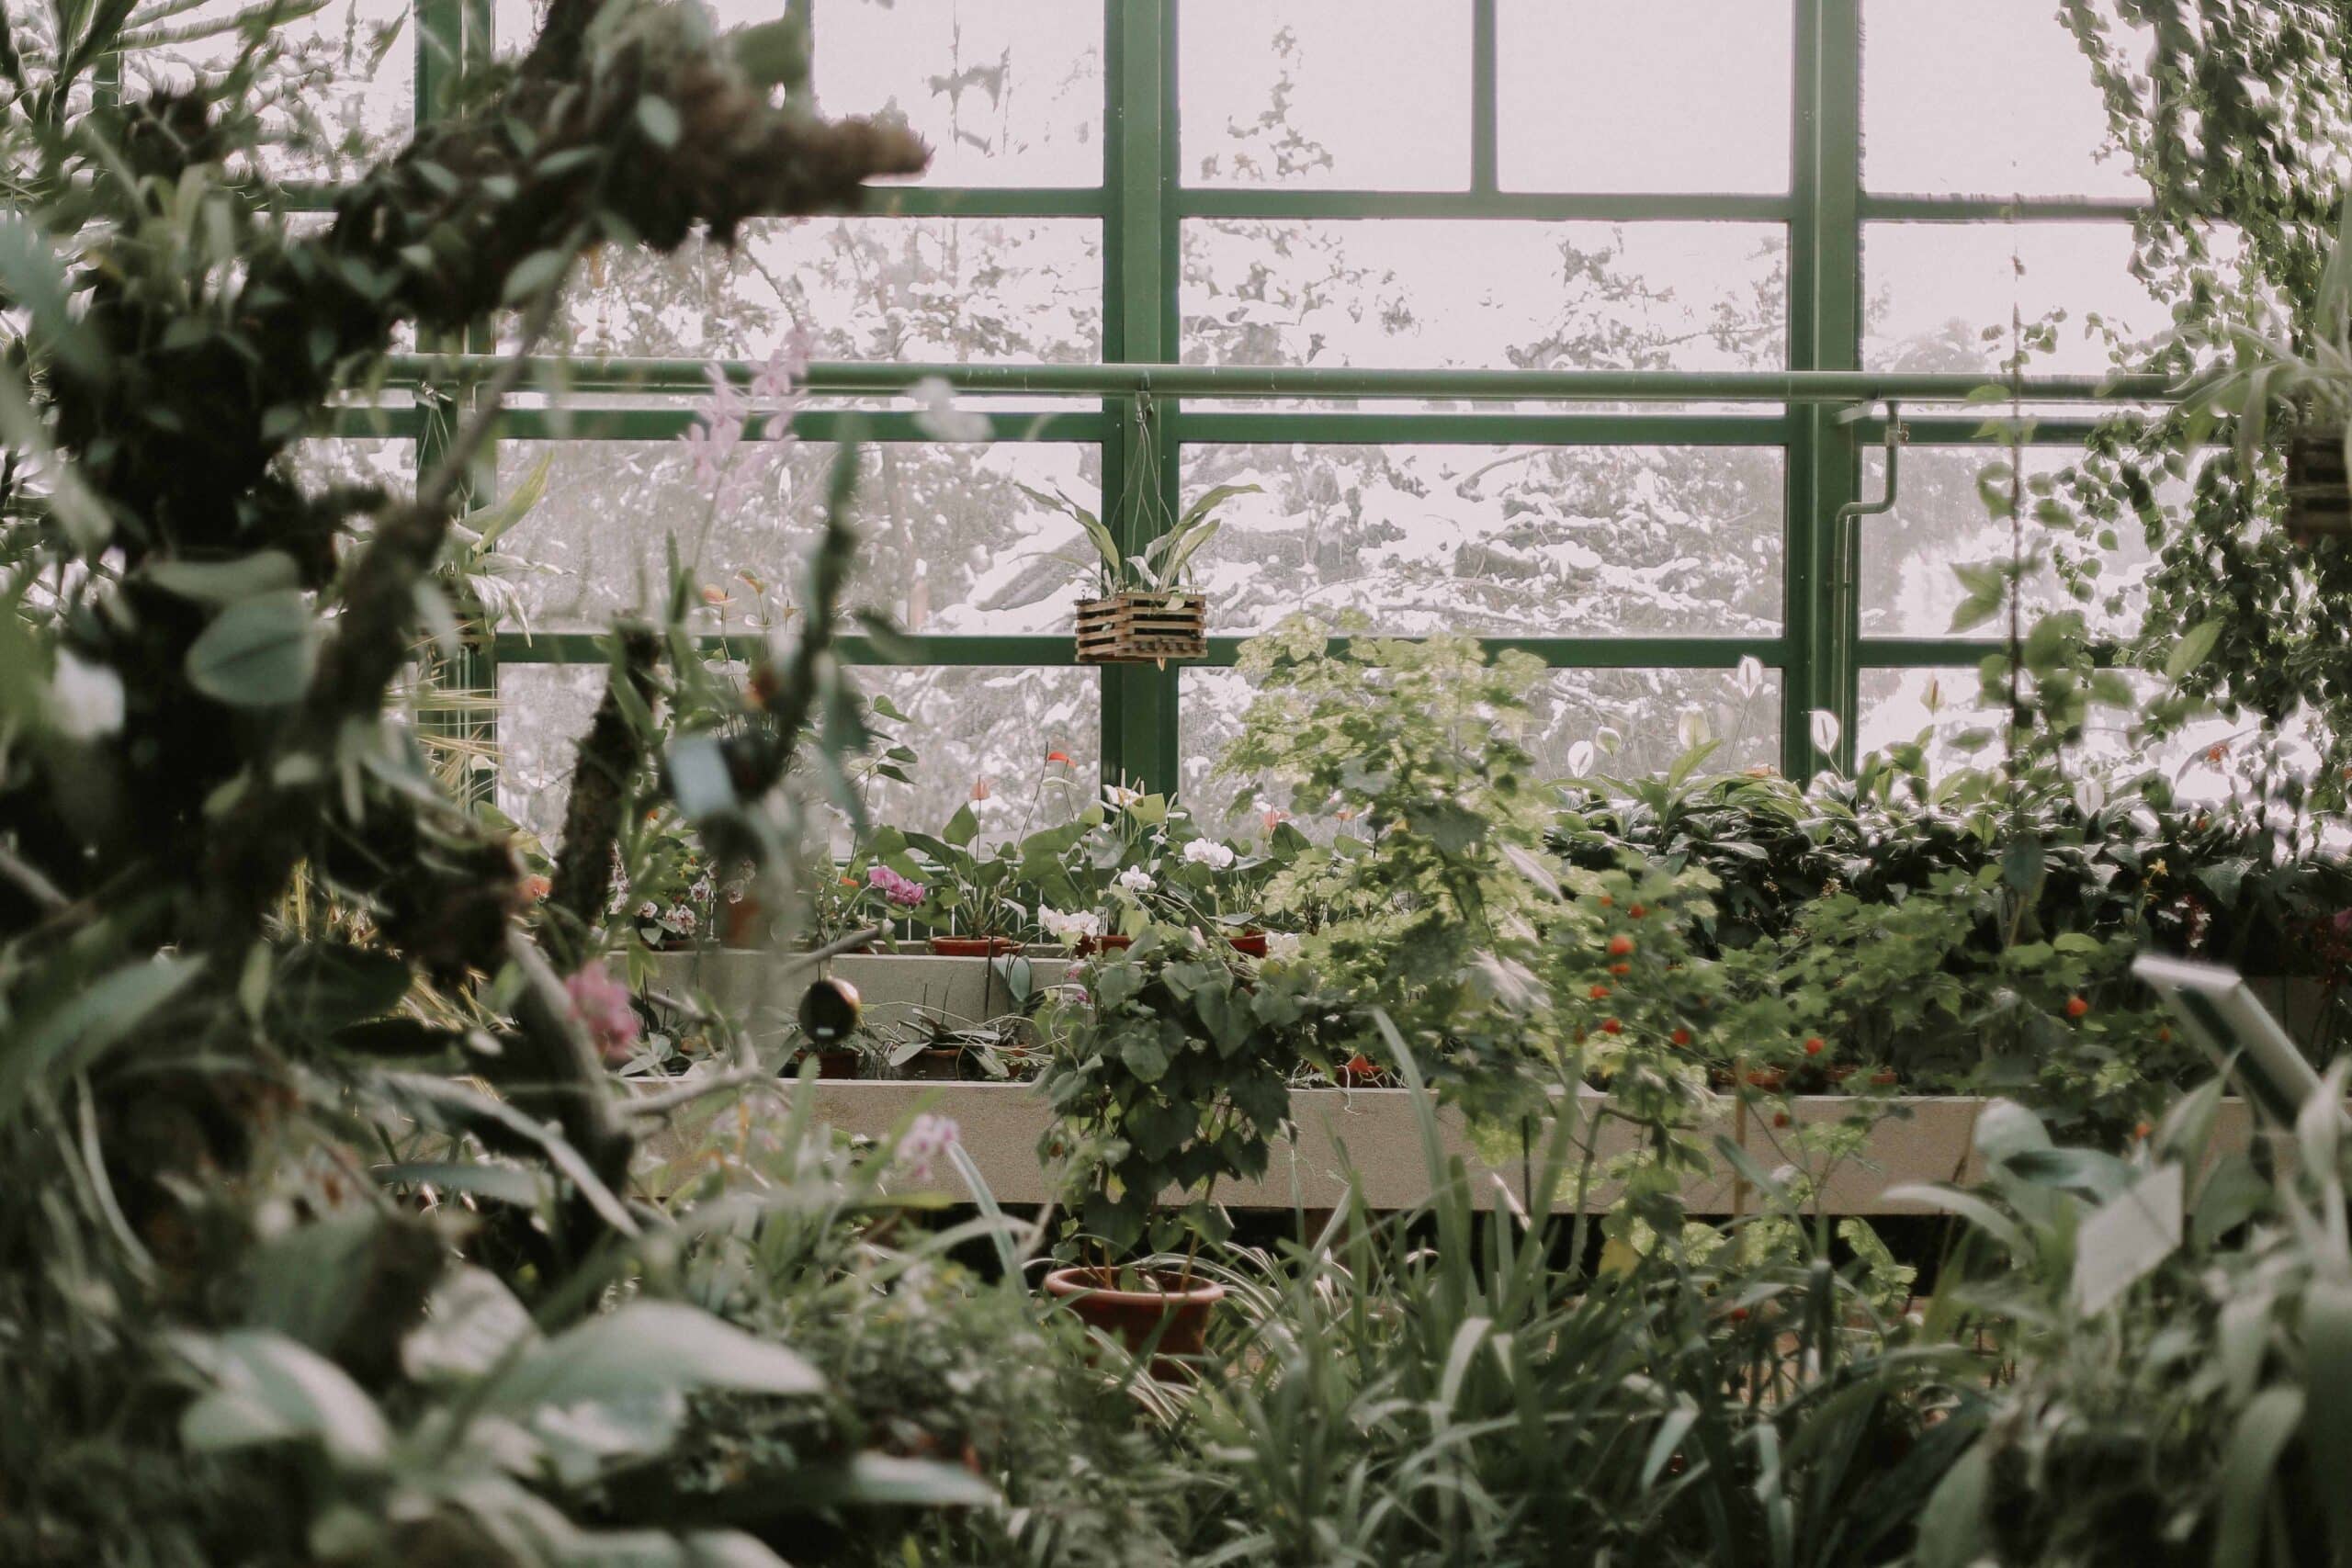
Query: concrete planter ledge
point(762, 989)
point(1921, 1139)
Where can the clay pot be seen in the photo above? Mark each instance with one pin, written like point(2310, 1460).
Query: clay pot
point(1134, 1317)
point(1253, 944)
point(1089, 946)
point(743, 923)
point(973, 946)
point(943, 1064)
point(830, 1064)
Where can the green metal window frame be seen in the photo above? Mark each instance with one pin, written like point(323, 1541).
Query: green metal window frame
point(1822, 414)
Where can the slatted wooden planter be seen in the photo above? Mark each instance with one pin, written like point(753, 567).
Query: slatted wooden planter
point(1143, 629)
point(2319, 491)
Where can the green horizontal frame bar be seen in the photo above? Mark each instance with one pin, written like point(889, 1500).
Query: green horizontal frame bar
point(1016, 652)
point(1999, 209)
point(1945, 652)
point(1484, 429)
point(1598, 207)
point(1991, 429)
point(844, 376)
point(1083, 425)
point(981, 201)
point(402, 424)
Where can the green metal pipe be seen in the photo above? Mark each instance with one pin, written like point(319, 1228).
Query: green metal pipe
point(852, 378)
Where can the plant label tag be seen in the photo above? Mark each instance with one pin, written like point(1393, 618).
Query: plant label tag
point(2127, 1237)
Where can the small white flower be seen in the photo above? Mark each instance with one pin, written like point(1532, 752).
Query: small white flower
point(1118, 797)
point(85, 699)
point(1135, 879)
point(1069, 928)
point(1208, 852)
point(1283, 945)
point(940, 418)
point(1608, 740)
point(1749, 676)
point(1580, 757)
point(1824, 730)
point(649, 910)
point(2090, 797)
point(1691, 728)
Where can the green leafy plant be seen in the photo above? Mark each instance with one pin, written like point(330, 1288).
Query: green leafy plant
point(1165, 563)
point(1173, 1076)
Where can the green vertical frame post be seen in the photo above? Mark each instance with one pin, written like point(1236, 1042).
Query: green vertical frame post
point(1825, 333)
point(451, 35)
point(1140, 276)
point(1485, 118)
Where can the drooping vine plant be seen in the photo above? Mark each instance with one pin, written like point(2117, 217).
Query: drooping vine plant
point(2238, 114)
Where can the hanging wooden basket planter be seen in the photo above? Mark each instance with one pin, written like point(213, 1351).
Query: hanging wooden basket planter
point(1136, 628)
point(2319, 491)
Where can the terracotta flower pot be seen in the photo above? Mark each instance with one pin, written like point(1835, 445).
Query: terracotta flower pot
point(973, 946)
point(837, 1063)
point(941, 1063)
point(1250, 943)
point(1089, 946)
point(743, 923)
point(1134, 1317)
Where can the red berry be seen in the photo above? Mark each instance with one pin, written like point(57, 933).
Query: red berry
point(1637, 912)
point(2140, 1134)
point(2076, 1007)
point(1597, 993)
point(1606, 900)
point(1780, 1119)
point(1738, 1314)
point(1680, 1037)
point(1620, 945)
point(1621, 969)
point(1814, 1045)
point(1611, 1026)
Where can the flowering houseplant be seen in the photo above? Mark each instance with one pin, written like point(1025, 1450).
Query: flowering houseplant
point(969, 894)
point(1165, 565)
point(665, 894)
point(1172, 1074)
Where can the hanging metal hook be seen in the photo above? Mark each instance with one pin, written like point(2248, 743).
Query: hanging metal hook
point(1846, 539)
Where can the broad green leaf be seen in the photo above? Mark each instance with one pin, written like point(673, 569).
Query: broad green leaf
point(225, 582)
point(648, 1348)
point(270, 1389)
point(258, 652)
point(2263, 1430)
point(2192, 649)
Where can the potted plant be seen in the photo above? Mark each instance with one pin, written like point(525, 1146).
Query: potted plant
point(1146, 610)
point(966, 896)
point(1172, 1075)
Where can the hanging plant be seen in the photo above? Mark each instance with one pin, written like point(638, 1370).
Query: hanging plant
point(1148, 609)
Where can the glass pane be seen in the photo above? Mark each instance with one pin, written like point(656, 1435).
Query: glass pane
point(873, 288)
point(1492, 294)
point(1990, 98)
point(1007, 92)
point(1006, 727)
point(325, 460)
point(1346, 94)
point(1637, 721)
point(1669, 96)
point(949, 542)
point(1940, 520)
point(543, 711)
point(1933, 291)
point(1536, 541)
point(341, 94)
